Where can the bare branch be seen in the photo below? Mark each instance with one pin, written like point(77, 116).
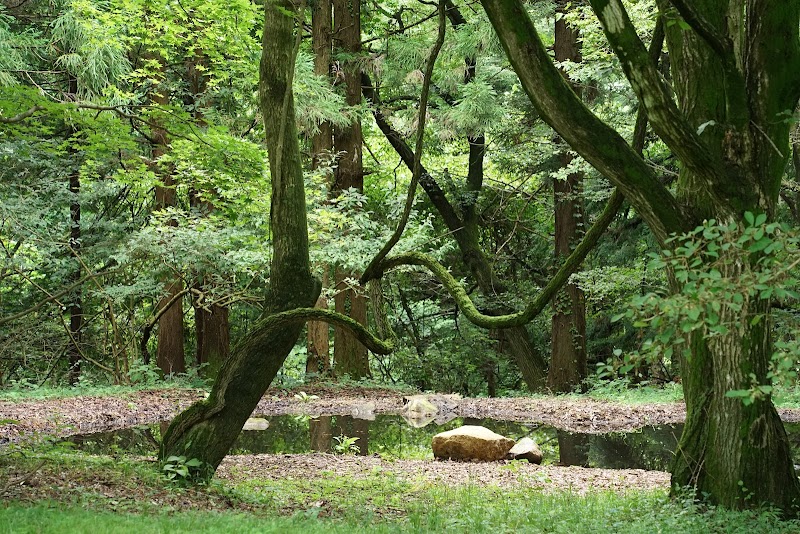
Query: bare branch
point(21, 116)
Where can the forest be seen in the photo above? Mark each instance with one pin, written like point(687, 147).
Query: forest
point(258, 256)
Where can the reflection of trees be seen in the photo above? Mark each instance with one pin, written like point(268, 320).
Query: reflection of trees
point(650, 448)
point(135, 440)
point(573, 449)
point(349, 426)
point(320, 432)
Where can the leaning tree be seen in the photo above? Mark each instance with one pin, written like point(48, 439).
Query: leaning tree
point(735, 79)
point(204, 433)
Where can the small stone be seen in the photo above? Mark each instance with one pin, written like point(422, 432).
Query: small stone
point(471, 443)
point(526, 449)
point(256, 423)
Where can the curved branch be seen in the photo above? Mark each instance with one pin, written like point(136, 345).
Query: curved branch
point(594, 140)
point(301, 315)
point(417, 172)
point(533, 309)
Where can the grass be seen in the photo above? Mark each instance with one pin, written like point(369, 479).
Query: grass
point(74, 492)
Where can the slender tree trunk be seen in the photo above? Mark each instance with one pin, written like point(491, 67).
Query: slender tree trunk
point(76, 297)
point(207, 429)
point(349, 356)
point(568, 366)
point(170, 356)
point(318, 347)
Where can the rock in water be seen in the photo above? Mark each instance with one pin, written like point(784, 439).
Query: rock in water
point(471, 443)
point(256, 423)
point(526, 449)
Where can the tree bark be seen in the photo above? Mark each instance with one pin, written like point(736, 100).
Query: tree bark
point(737, 454)
point(568, 367)
point(318, 346)
point(170, 356)
point(207, 429)
point(349, 356)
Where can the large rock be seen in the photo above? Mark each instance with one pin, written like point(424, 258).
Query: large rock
point(471, 443)
point(526, 449)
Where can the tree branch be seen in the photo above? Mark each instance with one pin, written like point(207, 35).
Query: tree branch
point(428, 183)
point(469, 310)
point(594, 140)
point(667, 120)
point(301, 315)
point(20, 116)
point(721, 44)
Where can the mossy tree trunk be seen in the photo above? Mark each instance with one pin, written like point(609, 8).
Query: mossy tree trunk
point(207, 429)
point(736, 70)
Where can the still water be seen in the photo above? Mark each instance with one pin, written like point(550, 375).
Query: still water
point(392, 437)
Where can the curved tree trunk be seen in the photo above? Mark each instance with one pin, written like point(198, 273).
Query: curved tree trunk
point(207, 429)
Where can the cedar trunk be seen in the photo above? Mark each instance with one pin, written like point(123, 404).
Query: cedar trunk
point(318, 360)
point(208, 428)
point(349, 356)
point(568, 366)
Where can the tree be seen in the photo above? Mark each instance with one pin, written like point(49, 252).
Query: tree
point(208, 428)
point(568, 353)
point(732, 139)
point(349, 356)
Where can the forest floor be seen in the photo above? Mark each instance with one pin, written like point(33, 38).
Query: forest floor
point(22, 421)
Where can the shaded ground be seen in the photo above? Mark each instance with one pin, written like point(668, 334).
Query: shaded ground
point(60, 417)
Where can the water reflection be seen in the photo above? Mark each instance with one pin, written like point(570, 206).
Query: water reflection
point(649, 448)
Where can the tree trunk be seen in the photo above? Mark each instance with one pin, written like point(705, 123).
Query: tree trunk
point(318, 347)
point(170, 356)
point(318, 360)
point(568, 366)
point(75, 326)
point(207, 429)
point(349, 356)
point(737, 454)
point(76, 297)
point(213, 338)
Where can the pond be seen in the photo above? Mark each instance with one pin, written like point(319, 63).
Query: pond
point(390, 436)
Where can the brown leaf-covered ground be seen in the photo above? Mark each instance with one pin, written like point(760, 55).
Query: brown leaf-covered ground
point(65, 416)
